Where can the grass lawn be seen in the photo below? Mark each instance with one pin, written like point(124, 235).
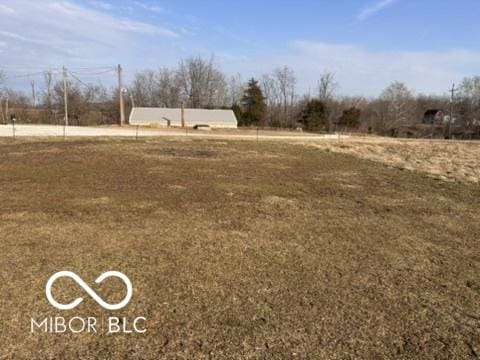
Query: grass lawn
point(237, 250)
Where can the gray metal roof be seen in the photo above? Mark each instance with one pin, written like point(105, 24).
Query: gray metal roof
point(164, 116)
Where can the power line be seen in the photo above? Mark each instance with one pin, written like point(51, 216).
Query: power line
point(80, 81)
point(55, 71)
point(94, 73)
point(25, 72)
point(24, 75)
point(93, 68)
point(26, 68)
point(16, 67)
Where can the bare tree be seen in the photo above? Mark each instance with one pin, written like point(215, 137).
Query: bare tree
point(327, 86)
point(271, 93)
point(286, 81)
point(2, 95)
point(169, 91)
point(95, 94)
point(19, 104)
point(48, 80)
point(201, 82)
point(270, 90)
point(197, 82)
point(144, 88)
point(77, 104)
point(470, 88)
point(470, 101)
point(48, 95)
point(396, 99)
point(157, 89)
point(236, 89)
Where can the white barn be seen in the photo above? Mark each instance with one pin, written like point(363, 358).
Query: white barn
point(219, 119)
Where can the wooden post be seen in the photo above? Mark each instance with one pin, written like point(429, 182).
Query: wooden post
point(65, 96)
point(6, 110)
point(1, 110)
point(120, 92)
point(452, 110)
point(183, 115)
point(34, 94)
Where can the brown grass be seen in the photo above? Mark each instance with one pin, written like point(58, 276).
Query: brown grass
point(238, 250)
point(445, 160)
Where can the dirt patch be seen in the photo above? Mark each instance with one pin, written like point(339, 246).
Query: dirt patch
point(91, 202)
point(184, 153)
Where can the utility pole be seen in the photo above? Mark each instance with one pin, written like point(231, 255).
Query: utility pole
point(34, 94)
point(182, 115)
point(132, 100)
point(1, 110)
point(452, 109)
point(6, 109)
point(120, 93)
point(65, 95)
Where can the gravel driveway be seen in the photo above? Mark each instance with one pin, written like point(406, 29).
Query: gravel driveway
point(77, 131)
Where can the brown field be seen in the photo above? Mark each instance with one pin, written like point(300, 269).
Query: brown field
point(444, 160)
point(241, 249)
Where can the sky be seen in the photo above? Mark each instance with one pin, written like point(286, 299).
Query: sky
point(428, 44)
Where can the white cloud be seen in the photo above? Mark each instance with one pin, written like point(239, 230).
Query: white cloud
point(364, 72)
point(52, 33)
point(374, 9)
point(149, 7)
point(14, 36)
point(107, 21)
point(6, 10)
point(101, 4)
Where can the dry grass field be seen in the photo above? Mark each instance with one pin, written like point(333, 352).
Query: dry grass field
point(240, 250)
point(444, 160)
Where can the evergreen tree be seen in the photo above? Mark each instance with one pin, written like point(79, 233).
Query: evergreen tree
point(350, 118)
point(237, 110)
point(314, 116)
point(254, 105)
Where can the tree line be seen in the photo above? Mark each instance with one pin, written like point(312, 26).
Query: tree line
point(271, 100)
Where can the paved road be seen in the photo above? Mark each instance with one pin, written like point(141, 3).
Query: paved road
point(76, 131)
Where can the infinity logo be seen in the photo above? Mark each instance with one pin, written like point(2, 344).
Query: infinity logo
point(88, 289)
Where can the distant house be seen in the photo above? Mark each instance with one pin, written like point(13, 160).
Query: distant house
point(434, 116)
point(215, 119)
